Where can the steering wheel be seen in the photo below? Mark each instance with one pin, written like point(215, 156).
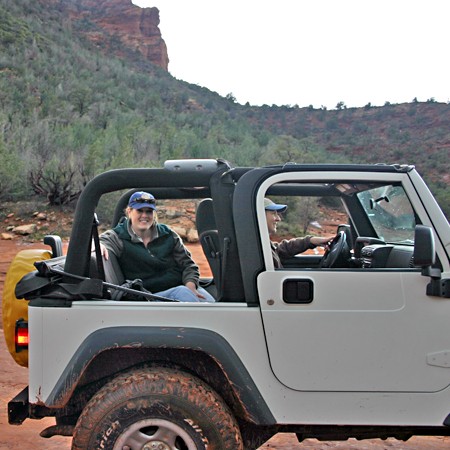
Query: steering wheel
point(337, 253)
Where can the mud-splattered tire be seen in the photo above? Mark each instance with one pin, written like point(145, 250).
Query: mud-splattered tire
point(158, 408)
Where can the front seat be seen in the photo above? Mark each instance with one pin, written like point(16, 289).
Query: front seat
point(209, 239)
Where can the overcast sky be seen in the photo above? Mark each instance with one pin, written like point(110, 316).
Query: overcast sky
point(310, 52)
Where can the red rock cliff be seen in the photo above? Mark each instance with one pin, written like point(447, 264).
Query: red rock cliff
point(137, 28)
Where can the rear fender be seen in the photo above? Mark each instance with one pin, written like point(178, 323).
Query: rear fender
point(164, 339)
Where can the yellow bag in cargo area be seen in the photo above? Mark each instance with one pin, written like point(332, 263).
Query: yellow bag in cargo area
point(12, 308)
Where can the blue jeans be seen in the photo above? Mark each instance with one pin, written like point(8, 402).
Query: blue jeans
point(184, 294)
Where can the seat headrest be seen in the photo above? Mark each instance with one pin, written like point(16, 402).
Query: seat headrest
point(205, 219)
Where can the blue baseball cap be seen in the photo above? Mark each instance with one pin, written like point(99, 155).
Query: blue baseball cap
point(269, 205)
point(142, 200)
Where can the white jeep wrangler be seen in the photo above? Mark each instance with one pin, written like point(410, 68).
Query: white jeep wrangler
point(355, 343)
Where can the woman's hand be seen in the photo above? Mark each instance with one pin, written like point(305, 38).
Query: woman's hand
point(191, 285)
point(104, 252)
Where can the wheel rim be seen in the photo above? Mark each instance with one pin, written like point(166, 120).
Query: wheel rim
point(155, 434)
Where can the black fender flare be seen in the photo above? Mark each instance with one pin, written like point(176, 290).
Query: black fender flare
point(207, 341)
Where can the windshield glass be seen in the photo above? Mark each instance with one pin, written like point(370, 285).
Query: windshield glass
point(390, 212)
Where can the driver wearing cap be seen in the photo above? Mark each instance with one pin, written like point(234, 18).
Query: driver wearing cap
point(287, 248)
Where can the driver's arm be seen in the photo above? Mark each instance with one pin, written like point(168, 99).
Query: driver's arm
point(288, 248)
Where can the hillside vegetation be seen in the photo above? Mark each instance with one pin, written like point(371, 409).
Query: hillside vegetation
point(69, 111)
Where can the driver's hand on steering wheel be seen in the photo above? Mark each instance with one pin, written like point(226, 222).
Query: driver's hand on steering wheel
point(322, 241)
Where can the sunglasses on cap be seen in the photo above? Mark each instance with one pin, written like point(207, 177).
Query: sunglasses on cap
point(144, 199)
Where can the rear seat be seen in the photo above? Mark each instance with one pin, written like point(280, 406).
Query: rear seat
point(113, 272)
point(111, 268)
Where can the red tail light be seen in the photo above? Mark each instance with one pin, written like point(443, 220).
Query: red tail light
point(21, 335)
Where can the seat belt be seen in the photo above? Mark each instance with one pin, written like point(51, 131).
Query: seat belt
point(98, 252)
point(224, 260)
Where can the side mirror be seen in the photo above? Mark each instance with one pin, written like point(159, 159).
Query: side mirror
point(424, 248)
point(425, 257)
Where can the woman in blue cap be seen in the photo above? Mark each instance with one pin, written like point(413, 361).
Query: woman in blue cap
point(154, 253)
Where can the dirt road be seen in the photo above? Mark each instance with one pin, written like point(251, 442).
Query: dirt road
point(14, 378)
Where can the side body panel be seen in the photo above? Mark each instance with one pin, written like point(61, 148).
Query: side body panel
point(246, 337)
point(57, 335)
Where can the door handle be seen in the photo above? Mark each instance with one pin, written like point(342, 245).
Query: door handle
point(300, 291)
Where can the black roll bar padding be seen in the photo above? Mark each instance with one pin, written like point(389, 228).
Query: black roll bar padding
point(77, 262)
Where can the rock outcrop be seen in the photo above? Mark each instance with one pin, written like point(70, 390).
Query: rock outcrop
point(136, 28)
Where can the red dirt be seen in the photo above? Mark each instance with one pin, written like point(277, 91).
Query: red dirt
point(14, 378)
